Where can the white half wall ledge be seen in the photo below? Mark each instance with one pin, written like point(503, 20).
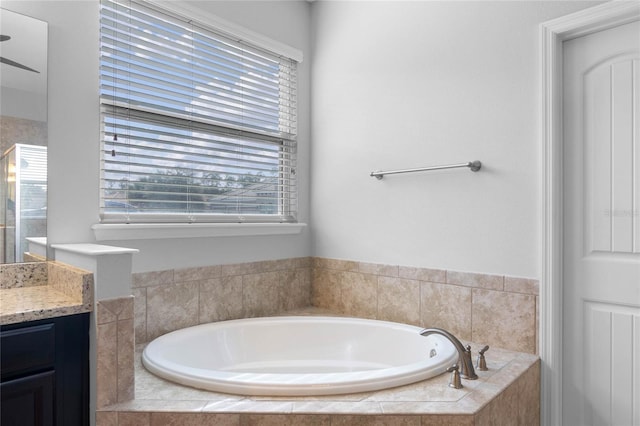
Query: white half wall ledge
point(93, 249)
point(111, 266)
point(150, 231)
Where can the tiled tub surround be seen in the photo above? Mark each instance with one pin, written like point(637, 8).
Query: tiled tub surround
point(506, 394)
point(492, 309)
point(33, 291)
point(115, 351)
point(170, 300)
point(496, 309)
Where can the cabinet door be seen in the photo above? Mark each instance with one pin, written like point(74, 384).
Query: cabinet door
point(28, 401)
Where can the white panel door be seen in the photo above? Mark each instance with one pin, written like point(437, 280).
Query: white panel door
point(601, 228)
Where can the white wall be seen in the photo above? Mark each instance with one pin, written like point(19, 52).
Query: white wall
point(23, 104)
point(395, 85)
point(74, 154)
point(412, 84)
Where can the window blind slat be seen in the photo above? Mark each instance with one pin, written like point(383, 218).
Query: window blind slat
point(195, 125)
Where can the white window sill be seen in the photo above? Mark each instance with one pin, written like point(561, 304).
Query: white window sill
point(150, 231)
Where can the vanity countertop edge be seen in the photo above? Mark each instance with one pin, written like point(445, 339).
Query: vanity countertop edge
point(65, 291)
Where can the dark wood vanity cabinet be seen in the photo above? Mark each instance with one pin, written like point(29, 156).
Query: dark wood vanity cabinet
point(44, 372)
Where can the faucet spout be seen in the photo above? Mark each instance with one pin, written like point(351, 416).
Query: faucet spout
point(464, 353)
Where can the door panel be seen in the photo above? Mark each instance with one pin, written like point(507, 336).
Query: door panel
point(601, 228)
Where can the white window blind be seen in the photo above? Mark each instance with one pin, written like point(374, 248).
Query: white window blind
point(196, 126)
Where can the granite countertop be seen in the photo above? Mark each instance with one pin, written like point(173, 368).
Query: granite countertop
point(33, 303)
point(65, 291)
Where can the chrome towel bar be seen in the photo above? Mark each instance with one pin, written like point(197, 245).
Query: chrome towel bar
point(473, 165)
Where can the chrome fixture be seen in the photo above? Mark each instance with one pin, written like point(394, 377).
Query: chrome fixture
point(481, 363)
point(455, 381)
point(464, 353)
point(473, 165)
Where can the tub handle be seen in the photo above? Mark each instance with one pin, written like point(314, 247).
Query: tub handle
point(454, 381)
point(481, 364)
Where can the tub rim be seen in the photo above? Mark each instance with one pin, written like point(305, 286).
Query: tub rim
point(267, 384)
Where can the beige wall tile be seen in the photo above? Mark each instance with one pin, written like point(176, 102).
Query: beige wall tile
point(106, 418)
point(220, 299)
point(537, 326)
point(153, 278)
point(505, 407)
point(469, 279)
point(528, 390)
point(399, 300)
point(171, 307)
point(114, 309)
point(196, 274)
point(261, 294)
point(240, 269)
point(134, 419)
point(335, 264)
point(140, 314)
point(484, 417)
point(310, 420)
point(126, 350)
point(447, 421)
point(104, 315)
point(423, 274)
point(325, 288)
point(521, 285)
point(285, 420)
point(446, 306)
point(106, 364)
point(302, 262)
point(505, 320)
point(278, 265)
point(194, 419)
point(295, 289)
point(378, 269)
point(358, 294)
point(375, 420)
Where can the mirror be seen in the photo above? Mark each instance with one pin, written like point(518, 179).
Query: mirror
point(23, 138)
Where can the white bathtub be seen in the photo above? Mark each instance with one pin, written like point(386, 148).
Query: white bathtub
point(298, 355)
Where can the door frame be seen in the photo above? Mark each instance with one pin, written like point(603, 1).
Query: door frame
point(552, 34)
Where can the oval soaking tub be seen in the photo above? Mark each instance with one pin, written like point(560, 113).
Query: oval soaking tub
point(298, 355)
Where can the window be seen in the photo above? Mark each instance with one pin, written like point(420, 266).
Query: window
point(196, 125)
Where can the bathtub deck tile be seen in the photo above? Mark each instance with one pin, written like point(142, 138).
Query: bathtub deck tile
point(425, 397)
point(337, 407)
point(158, 405)
point(349, 397)
point(249, 406)
point(432, 399)
point(435, 390)
point(426, 407)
